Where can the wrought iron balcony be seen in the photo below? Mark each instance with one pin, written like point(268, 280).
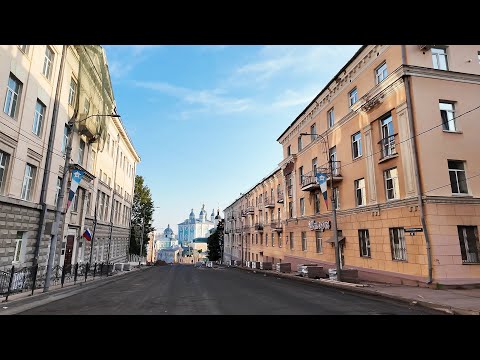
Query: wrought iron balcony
point(259, 227)
point(88, 127)
point(336, 172)
point(244, 213)
point(246, 227)
point(290, 191)
point(280, 196)
point(250, 210)
point(388, 149)
point(276, 226)
point(309, 182)
point(269, 202)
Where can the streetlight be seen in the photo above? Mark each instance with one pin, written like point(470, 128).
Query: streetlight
point(334, 207)
point(58, 210)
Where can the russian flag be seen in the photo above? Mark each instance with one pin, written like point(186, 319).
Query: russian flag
point(87, 235)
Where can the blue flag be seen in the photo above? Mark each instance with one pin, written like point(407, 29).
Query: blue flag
point(322, 181)
point(77, 176)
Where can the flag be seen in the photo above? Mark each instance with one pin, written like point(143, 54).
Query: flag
point(77, 176)
point(322, 181)
point(87, 235)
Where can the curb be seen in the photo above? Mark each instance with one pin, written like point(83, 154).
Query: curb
point(363, 290)
point(29, 302)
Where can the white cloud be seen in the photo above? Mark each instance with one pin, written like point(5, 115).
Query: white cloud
point(123, 59)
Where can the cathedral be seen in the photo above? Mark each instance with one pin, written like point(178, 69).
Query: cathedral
point(193, 228)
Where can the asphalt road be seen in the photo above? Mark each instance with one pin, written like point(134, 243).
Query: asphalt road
point(183, 289)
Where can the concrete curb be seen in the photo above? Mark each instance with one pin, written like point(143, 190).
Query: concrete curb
point(365, 290)
point(17, 306)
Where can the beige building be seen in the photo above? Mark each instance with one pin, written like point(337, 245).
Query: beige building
point(398, 123)
point(100, 147)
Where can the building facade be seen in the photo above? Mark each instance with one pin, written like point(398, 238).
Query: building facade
point(192, 228)
point(101, 149)
point(397, 125)
point(159, 241)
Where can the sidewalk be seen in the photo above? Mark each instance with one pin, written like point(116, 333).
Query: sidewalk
point(450, 301)
point(23, 301)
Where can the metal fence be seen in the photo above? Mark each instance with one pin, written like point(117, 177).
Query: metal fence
point(136, 258)
point(20, 279)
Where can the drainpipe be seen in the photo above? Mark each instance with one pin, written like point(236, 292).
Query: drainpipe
point(416, 168)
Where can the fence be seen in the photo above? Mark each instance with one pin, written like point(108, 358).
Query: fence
point(21, 279)
point(136, 258)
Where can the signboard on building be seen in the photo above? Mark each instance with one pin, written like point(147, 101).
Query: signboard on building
point(412, 231)
point(324, 225)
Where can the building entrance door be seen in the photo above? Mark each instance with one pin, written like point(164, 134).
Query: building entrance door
point(67, 262)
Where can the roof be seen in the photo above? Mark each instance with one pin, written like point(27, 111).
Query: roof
point(325, 88)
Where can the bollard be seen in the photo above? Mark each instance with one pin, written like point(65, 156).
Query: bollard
point(75, 274)
point(63, 275)
point(87, 267)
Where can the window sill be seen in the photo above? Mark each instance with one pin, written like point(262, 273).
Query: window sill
point(386, 158)
point(398, 260)
point(453, 132)
point(369, 257)
point(357, 158)
point(470, 263)
point(462, 195)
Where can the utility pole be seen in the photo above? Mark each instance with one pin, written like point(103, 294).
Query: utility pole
point(48, 160)
point(334, 221)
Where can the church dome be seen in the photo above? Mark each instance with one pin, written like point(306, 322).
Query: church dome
point(202, 212)
point(168, 231)
point(192, 214)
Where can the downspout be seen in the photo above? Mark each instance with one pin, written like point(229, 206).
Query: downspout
point(416, 168)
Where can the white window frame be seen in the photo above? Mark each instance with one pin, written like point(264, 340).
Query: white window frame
point(357, 145)
point(28, 182)
point(381, 72)
point(81, 151)
point(471, 257)
point(318, 242)
point(65, 139)
point(86, 106)
point(399, 249)
point(49, 56)
point(12, 97)
point(58, 188)
point(299, 143)
point(304, 241)
point(330, 118)
point(302, 206)
point(395, 186)
point(456, 172)
point(38, 117)
point(336, 197)
point(437, 53)
point(449, 109)
point(360, 193)
point(20, 245)
point(364, 243)
point(313, 132)
point(72, 91)
point(316, 201)
point(353, 96)
point(273, 239)
point(4, 160)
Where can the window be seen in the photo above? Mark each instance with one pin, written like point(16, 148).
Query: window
point(304, 241)
point(360, 198)
point(266, 239)
point(299, 143)
point(317, 203)
point(318, 242)
point(330, 118)
point(381, 73)
point(278, 217)
point(479, 57)
point(447, 113)
point(292, 244)
point(65, 139)
point(4, 157)
point(75, 201)
point(101, 204)
point(391, 184)
point(28, 180)
point(364, 242)
point(81, 151)
point(314, 166)
point(38, 118)
point(388, 136)
point(289, 150)
point(356, 145)
point(290, 209)
point(300, 174)
point(273, 239)
point(336, 198)
point(72, 94)
point(302, 206)
point(58, 187)
point(313, 132)
point(86, 106)
point(13, 93)
point(256, 239)
point(458, 181)
point(18, 256)
point(469, 246)
point(353, 97)
point(48, 62)
point(397, 242)
point(439, 58)
point(107, 203)
point(24, 48)
point(290, 185)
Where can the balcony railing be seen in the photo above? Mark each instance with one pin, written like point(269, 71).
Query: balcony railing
point(250, 210)
point(246, 227)
point(276, 226)
point(290, 191)
point(280, 196)
point(388, 147)
point(269, 202)
point(244, 213)
point(259, 227)
point(309, 182)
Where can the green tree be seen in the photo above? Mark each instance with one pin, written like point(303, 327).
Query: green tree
point(215, 242)
point(142, 212)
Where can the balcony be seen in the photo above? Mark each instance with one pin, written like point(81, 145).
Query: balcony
point(259, 227)
point(290, 191)
point(280, 197)
point(336, 172)
point(269, 202)
point(88, 127)
point(244, 213)
point(276, 226)
point(309, 182)
point(246, 228)
point(250, 210)
point(387, 147)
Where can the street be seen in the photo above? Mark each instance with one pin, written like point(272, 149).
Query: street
point(186, 290)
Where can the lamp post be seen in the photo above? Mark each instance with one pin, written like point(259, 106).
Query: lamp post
point(334, 206)
point(61, 195)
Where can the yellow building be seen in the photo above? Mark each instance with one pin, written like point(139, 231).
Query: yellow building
point(397, 123)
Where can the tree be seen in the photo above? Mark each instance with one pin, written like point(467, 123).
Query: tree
point(142, 212)
point(215, 242)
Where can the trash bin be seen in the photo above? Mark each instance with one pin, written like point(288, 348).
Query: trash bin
point(332, 274)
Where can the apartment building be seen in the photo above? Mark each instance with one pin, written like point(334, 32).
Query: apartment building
point(397, 124)
point(101, 148)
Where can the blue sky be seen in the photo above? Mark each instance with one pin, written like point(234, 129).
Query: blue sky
point(205, 119)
